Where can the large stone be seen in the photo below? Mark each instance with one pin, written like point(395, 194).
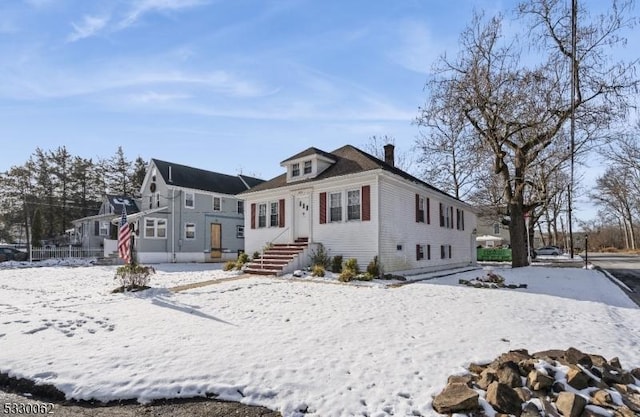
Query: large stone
point(460, 379)
point(523, 393)
point(509, 373)
point(632, 400)
point(456, 398)
point(576, 357)
point(553, 354)
point(601, 398)
point(486, 378)
point(477, 368)
point(570, 405)
point(511, 356)
point(636, 373)
point(530, 410)
point(538, 381)
point(527, 366)
point(504, 398)
point(549, 409)
point(623, 411)
point(612, 375)
point(598, 360)
point(577, 379)
point(615, 362)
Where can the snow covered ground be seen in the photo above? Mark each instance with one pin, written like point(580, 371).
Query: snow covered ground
point(320, 347)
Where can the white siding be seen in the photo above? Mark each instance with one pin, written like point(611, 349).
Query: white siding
point(350, 239)
point(398, 226)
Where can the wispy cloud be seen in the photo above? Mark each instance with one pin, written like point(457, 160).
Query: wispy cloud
point(155, 97)
point(89, 26)
point(416, 47)
point(142, 7)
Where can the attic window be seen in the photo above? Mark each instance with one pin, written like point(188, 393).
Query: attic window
point(189, 200)
point(295, 170)
point(307, 167)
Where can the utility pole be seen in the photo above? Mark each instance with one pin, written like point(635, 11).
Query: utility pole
point(574, 76)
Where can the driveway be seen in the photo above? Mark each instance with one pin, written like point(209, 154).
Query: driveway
point(624, 267)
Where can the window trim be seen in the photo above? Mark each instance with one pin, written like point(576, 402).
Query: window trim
point(295, 169)
point(193, 199)
point(186, 227)
point(358, 190)
point(274, 214)
point(307, 167)
point(240, 207)
point(260, 225)
point(155, 227)
point(330, 206)
point(213, 206)
point(103, 227)
point(239, 231)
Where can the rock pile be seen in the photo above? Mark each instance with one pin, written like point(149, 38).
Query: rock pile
point(553, 383)
point(490, 280)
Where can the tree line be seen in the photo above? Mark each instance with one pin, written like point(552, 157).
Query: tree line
point(41, 197)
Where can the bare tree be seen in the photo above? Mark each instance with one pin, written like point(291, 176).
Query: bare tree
point(517, 110)
point(448, 158)
point(375, 146)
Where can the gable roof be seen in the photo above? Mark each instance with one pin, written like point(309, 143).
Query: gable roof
point(116, 202)
point(309, 152)
point(199, 179)
point(349, 160)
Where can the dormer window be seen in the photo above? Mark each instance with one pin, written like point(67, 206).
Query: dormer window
point(307, 167)
point(295, 170)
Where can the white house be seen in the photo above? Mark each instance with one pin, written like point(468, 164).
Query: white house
point(359, 206)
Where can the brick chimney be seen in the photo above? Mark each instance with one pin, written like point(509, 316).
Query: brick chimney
point(389, 155)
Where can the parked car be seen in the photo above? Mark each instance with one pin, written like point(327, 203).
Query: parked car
point(11, 254)
point(548, 250)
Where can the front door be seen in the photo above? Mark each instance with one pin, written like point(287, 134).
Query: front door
point(216, 241)
point(303, 217)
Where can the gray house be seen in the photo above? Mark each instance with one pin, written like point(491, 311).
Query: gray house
point(189, 214)
point(90, 232)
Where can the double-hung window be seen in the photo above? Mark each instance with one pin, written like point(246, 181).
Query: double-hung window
point(295, 170)
point(217, 204)
point(189, 200)
point(240, 231)
point(273, 214)
point(240, 207)
point(335, 207)
point(262, 215)
point(307, 167)
point(420, 212)
point(189, 230)
point(155, 228)
point(353, 205)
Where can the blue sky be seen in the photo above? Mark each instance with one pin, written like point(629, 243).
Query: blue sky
point(230, 86)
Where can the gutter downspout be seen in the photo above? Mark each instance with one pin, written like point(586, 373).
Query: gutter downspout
point(173, 224)
point(379, 217)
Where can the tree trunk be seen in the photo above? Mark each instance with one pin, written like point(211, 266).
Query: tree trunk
point(518, 235)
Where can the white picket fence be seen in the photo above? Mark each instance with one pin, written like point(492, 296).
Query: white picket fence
point(39, 254)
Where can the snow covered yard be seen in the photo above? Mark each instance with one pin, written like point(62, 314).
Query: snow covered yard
point(327, 350)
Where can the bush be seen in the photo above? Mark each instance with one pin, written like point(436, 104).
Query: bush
point(229, 265)
point(364, 277)
point(336, 264)
point(373, 268)
point(317, 271)
point(133, 277)
point(256, 255)
point(346, 275)
point(243, 258)
point(352, 265)
point(320, 256)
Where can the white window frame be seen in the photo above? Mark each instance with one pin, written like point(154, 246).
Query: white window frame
point(219, 200)
point(193, 199)
point(420, 256)
point(188, 226)
point(158, 199)
point(274, 210)
point(330, 206)
point(496, 228)
point(350, 214)
point(295, 169)
point(103, 229)
point(307, 167)
point(421, 209)
point(157, 225)
point(240, 231)
point(262, 213)
point(240, 207)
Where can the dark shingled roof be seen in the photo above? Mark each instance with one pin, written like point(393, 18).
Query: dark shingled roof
point(199, 179)
point(309, 152)
point(349, 160)
point(117, 200)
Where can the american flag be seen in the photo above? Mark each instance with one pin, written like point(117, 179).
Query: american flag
point(124, 237)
